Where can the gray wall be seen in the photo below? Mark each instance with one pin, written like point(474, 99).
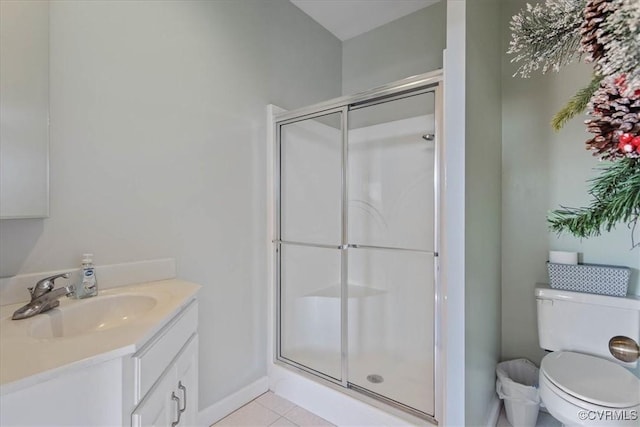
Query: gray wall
point(482, 208)
point(402, 48)
point(158, 150)
point(543, 169)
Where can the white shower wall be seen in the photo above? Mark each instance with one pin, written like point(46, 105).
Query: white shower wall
point(390, 187)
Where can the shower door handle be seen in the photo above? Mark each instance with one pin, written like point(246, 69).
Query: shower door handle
point(310, 245)
point(348, 246)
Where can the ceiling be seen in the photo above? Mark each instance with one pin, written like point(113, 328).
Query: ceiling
point(349, 18)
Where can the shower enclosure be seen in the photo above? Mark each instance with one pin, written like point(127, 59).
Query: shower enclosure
point(356, 241)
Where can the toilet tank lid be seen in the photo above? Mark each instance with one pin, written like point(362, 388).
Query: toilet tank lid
point(592, 379)
point(630, 302)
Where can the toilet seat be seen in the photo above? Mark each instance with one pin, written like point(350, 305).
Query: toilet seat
point(591, 379)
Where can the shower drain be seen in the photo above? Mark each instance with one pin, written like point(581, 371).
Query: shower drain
point(375, 378)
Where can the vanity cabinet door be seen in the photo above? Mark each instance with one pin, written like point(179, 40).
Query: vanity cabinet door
point(187, 384)
point(173, 400)
point(157, 409)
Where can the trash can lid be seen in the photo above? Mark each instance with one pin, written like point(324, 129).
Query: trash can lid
point(592, 379)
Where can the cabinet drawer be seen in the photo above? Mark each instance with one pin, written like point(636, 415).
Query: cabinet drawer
point(152, 359)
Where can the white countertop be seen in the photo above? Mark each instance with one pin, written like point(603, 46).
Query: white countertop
point(25, 360)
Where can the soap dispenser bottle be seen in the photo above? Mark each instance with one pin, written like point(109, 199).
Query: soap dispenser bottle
point(88, 286)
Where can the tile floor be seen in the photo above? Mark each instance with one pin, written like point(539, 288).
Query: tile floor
point(274, 411)
point(271, 410)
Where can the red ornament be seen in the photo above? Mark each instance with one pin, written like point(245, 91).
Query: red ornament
point(625, 138)
point(636, 141)
point(625, 147)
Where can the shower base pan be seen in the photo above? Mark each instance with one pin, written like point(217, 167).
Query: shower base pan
point(407, 385)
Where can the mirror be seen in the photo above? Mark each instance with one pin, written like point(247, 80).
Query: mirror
point(24, 109)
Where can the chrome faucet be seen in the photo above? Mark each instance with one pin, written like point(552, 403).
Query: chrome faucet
point(44, 297)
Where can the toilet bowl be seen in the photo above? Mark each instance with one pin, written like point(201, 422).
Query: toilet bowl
point(584, 390)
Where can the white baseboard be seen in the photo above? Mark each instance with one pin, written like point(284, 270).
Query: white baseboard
point(224, 407)
point(494, 412)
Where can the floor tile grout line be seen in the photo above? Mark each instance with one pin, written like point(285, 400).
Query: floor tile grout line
point(266, 407)
point(285, 412)
point(286, 419)
point(283, 415)
point(243, 407)
point(291, 409)
point(272, 411)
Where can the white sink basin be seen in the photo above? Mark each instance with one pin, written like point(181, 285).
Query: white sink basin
point(91, 315)
point(117, 322)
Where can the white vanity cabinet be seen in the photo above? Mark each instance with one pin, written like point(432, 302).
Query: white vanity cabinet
point(172, 398)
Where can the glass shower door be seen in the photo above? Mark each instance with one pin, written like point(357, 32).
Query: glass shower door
point(391, 343)
point(392, 252)
point(309, 244)
point(355, 240)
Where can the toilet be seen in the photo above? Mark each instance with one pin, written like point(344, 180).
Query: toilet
point(581, 383)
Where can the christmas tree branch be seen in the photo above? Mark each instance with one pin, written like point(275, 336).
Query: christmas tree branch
point(616, 194)
point(576, 105)
point(546, 36)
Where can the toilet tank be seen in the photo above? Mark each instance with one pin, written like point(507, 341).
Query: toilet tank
point(584, 323)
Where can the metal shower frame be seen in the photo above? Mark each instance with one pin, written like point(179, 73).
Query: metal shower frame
point(431, 82)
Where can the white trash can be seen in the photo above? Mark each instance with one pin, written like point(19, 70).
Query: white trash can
point(517, 385)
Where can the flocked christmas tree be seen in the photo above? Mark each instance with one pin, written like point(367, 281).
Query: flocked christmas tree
point(605, 33)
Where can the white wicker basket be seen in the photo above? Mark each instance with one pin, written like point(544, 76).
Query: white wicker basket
point(591, 278)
